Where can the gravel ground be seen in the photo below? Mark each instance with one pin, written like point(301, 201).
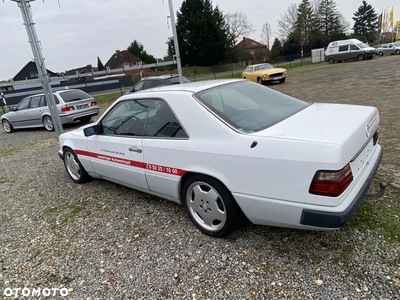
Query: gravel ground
point(104, 241)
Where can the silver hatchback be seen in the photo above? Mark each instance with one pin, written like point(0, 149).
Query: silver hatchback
point(72, 105)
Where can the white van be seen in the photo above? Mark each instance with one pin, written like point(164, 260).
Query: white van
point(348, 49)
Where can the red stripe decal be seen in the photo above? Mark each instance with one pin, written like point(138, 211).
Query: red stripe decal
point(132, 163)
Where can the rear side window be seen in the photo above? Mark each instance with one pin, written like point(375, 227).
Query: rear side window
point(74, 96)
point(343, 48)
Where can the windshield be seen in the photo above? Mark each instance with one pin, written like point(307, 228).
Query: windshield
point(397, 44)
point(250, 107)
point(263, 67)
point(362, 45)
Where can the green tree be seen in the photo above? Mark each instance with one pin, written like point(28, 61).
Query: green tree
point(329, 21)
point(137, 49)
point(365, 22)
point(100, 65)
point(203, 34)
point(276, 49)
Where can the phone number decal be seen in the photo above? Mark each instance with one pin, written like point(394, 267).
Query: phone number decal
point(163, 169)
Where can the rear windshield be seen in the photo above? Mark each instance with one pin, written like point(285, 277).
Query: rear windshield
point(250, 107)
point(74, 96)
point(175, 80)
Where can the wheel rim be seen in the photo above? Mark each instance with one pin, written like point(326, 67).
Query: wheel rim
point(6, 126)
point(206, 206)
point(331, 60)
point(48, 123)
point(361, 57)
point(72, 166)
point(259, 80)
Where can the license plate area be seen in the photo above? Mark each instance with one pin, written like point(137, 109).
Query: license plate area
point(82, 106)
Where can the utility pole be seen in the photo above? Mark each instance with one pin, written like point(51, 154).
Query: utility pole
point(44, 77)
point(176, 45)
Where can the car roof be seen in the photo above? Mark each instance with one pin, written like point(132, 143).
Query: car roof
point(191, 87)
point(259, 65)
point(161, 77)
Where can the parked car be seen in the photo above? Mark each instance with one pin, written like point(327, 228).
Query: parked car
point(72, 105)
point(389, 48)
point(154, 81)
point(225, 148)
point(263, 73)
point(350, 49)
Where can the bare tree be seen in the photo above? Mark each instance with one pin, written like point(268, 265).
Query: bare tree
point(238, 25)
point(286, 22)
point(266, 34)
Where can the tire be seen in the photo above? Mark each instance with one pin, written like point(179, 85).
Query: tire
point(259, 81)
point(331, 60)
point(361, 57)
point(282, 80)
point(210, 206)
point(85, 120)
point(73, 166)
point(381, 53)
point(48, 123)
point(397, 52)
point(7, 126)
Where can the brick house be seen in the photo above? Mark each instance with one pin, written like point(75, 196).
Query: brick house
point(122, 59)
point(251, 51)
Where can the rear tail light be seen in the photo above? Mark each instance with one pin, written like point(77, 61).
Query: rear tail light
point(376, 136)
point(66, 108)
point(94, 103)
point(331, 183)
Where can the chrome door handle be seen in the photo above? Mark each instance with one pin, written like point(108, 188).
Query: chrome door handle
point(135, 149)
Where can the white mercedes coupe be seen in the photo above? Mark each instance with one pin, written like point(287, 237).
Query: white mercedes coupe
point(226, 149)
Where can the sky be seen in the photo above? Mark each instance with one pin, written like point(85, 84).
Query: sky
point(73, 33)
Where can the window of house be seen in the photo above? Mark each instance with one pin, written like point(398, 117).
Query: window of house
point(33, 74)
point(252, 51)
point(126, 64)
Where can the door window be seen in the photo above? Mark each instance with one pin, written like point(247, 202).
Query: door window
point(354, 47)
point(35, 101)
point(343, 48)
point(162, 122)
point(24, 104)
point(126, 118)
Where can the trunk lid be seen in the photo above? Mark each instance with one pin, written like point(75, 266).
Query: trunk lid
point(350, 126)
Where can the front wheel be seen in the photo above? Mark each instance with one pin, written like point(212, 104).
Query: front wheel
point(210, 206)
point(48, 123)
point(259, 81)
point(361, 57)
point(381, 53)
point(73, 166)
point(7, 126)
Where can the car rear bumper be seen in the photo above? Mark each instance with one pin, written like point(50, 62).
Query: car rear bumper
point(275, 212)
point(76, 115)
point(338, 219)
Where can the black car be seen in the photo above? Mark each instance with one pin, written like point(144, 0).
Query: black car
point(154, 81)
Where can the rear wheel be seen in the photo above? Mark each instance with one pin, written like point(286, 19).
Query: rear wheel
point(73, 166)
point(282, 80)
point(48, 123)
point(210, 205)
point(7, 126)
point(361, 57)
point(331, 60)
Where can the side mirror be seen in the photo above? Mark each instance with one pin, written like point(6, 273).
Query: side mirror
point(12, 108)
point(92, 130)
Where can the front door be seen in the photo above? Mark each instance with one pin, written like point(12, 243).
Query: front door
point(116, 153)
